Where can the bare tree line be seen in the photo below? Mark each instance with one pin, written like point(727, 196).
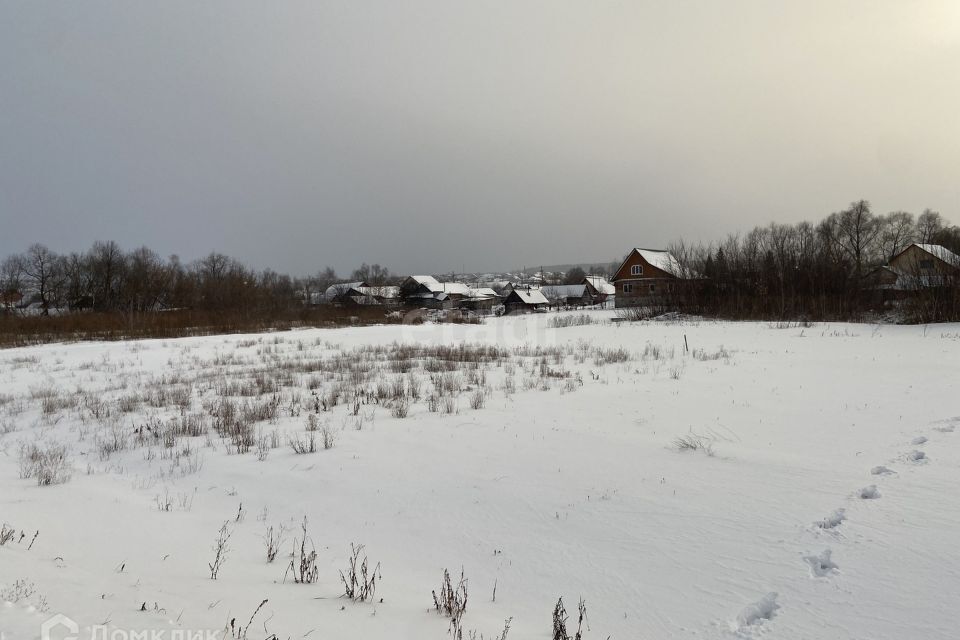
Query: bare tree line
point(811, 270)
point(107, 278)
point(803, 270)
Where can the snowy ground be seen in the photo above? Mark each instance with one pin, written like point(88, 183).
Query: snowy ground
point(825, 507)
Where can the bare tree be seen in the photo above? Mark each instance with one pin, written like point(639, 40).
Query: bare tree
point(43, 270)
point(896, 233)
point(854, 231)
point(929, 224)
point(373, 275)
point(575, 276)
point(106, 265)
point(11, 279)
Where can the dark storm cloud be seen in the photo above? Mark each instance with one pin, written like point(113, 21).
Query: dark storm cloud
point(431, 136)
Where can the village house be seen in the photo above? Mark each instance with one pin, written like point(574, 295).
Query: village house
point(649, 276)
point(341, 292)
point(525, 300)
point(919, 266)
point(429, 293)
point(571, 295)
point(360, 293)
point(605, 290)
point(481, 300)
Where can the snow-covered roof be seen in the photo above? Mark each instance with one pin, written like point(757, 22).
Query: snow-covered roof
point(483, 292)
point(455, 288)
point(665, 261)
point(429, 282)
point(531, 296)
point(941, 252)
point(555, 292)
point(341, 288)
point(601, 285)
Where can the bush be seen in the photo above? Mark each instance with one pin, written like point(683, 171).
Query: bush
point(478, 399)
point(49, 464)
point(560, 621)
point(304, 566)
point(451, 601)
point(559, 322)
point(307, 444)
point(400, 408)
point(693, 442)
point(327, 436)
point(359, 585)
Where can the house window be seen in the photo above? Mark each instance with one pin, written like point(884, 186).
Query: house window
point(628, 288)
point(653, 288)
point(926, 264)
point(636, 270)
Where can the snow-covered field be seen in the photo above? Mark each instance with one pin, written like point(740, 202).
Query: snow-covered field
point(821, 501)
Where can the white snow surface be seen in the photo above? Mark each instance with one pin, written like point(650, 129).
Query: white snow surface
point(568, 486)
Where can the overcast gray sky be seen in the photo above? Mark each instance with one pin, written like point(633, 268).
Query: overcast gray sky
point(435, 136)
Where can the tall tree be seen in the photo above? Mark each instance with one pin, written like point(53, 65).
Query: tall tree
point(854, 231)
point(929, 224)
point(43, 269)
point(574, 276)
point(896, 233)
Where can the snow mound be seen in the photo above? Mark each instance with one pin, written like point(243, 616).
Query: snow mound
point(833, 520)
point(821, 565)
point(917, 456)
point(870, 493)
point(882, 471)
point(758, 612)
point(919, 440)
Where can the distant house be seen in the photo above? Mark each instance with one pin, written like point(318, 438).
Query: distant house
point(524, 300)
point(379, 295)
point(919, 266)
point(606, 292)
point(482, 300)
point(650, 276)
point(428, 292)
point(418, 290)
point(926, 265)
point(341, 292)
point(571, 295)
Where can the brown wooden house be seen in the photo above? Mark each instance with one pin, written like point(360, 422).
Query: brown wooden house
point(926, 265)
point(525, 300)
point(919, 266)
point(651, 277)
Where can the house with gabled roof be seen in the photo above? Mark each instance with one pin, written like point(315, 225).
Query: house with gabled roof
point(525, 300)
point(339, 293)
point(918, 266)
point(650, 276)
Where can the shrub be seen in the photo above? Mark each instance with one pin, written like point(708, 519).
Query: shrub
point(478, 399)
point(359, 585)
point(694, 442)
point(220, 548)
point(273, 539)
point(400, 408)
point(559, 322)
point(451, 601)
point(328, 437)
point(49, 464)
point(560, 621)
point(6, 534)
point(304, 566)
point(307, 444)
